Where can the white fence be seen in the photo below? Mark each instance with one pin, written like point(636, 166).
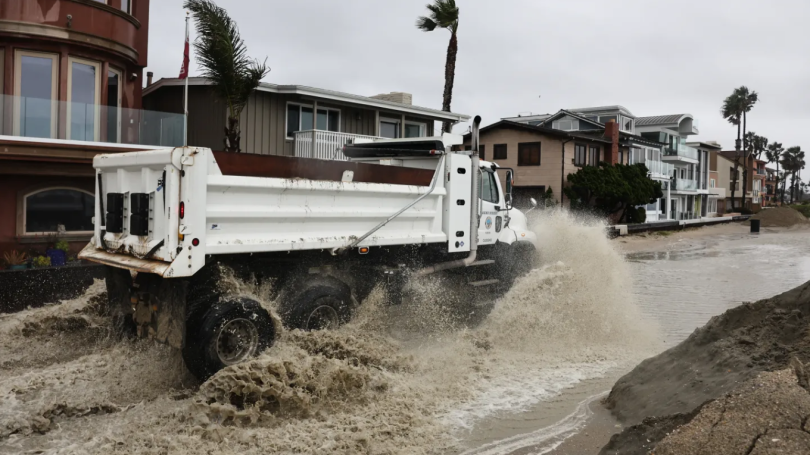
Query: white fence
point(323, 145)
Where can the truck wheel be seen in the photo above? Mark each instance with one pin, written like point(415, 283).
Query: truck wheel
point(324, 304)
point(119, 307)
point(224, 334)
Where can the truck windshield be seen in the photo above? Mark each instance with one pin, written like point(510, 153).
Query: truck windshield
point(489, 188)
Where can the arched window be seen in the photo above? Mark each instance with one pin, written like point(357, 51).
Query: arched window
point(47, 209)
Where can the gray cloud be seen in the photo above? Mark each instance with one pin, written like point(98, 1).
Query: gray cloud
point(652, 57)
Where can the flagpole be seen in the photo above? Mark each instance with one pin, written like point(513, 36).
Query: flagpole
point(185, 92)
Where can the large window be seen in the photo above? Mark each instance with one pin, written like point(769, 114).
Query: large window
point(52, 209)
point(593, 155)
point(389, 128)
point(489, 188)
point(499, 152)
point(300, 117)
point(83, 99)
point(35, 89)
point(529, 154)
point(113, 106)
point(580, 156)
point(125, 6)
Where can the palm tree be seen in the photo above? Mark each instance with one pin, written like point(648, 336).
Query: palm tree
point(774, 154)
point(793, 163)
point(747, 100)
point(223, 56)
point(758, 144)
point(444, 14)
point(732, 111)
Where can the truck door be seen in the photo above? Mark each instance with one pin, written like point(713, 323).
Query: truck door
point(491, 206)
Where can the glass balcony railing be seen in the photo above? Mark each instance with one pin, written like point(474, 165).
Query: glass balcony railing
point(685, 184)
point(50, 119)
point(681, 150)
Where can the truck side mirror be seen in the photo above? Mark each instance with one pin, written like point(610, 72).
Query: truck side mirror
point(509, 183)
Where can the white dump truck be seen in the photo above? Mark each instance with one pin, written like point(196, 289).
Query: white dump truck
point(325, 232)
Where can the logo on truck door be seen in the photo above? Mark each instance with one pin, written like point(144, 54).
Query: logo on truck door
point(488, 223)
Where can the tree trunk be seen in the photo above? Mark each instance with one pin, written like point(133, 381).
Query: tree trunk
point(449, 77)
point(736, 167)
point(232, 135)
point(777, 180)
point(745, 163)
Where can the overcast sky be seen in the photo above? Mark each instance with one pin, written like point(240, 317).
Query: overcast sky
point(538, 56)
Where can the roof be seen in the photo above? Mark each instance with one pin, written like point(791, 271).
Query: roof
point(575, 115)
point(540, 130)
point(708, 145)
point(661, 119)
point(615, 107)
point(629, 137)
point(324, 94)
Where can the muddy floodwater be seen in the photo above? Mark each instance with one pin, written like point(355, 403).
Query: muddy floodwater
point(395, 380)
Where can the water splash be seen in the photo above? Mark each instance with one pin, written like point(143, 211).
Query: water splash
point(406, 379)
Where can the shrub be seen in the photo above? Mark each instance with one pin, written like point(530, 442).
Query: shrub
point(42, 261)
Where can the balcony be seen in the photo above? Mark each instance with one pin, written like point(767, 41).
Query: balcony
point(685, 185)
point(681, 151)
point(324, 145)
point(659, 168)
point(35, 118)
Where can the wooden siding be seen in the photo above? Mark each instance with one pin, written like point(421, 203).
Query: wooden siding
point(263, 121)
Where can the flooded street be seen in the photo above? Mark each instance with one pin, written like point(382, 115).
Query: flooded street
point(393, 380)
point(678, 284)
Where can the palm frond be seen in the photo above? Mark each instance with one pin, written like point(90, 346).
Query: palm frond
point(443, 14)
point(222, 54)
point(425, 24)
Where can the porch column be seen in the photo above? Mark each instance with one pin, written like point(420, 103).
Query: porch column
point(669, 199)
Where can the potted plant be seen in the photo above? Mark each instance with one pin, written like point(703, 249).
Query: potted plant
point(58, 253)
point(41, 262)
point(15, 260)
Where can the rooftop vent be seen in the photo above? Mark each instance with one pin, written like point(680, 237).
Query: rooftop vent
point(395, 97)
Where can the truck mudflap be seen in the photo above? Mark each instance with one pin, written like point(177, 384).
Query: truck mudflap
point(91, 253)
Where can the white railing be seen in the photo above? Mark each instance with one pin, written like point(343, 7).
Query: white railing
point(323, 145)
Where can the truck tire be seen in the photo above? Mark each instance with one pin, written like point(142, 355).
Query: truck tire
point(119, 308)
point(323, 303)
point(224, 334)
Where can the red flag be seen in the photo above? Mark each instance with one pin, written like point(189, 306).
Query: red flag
point(184, 68)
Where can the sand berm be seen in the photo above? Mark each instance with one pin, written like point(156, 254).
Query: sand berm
point(737, 385)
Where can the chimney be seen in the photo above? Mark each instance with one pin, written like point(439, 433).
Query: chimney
point(612, 133)
point(149, 76)
point(395, 97)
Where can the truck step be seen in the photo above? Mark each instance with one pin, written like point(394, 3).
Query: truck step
point(484, 283)
point(482, 262)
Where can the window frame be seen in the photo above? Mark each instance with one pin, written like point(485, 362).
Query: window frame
point(493, 187)
point(97, 112)
point(422, 127)
point(314, 117)
point(395, 121)
point(593, 155)
point(119, 101)
point(577, 161)
point(24, 231)
point(17, 113)
point(539, 153)
point(500, 147)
